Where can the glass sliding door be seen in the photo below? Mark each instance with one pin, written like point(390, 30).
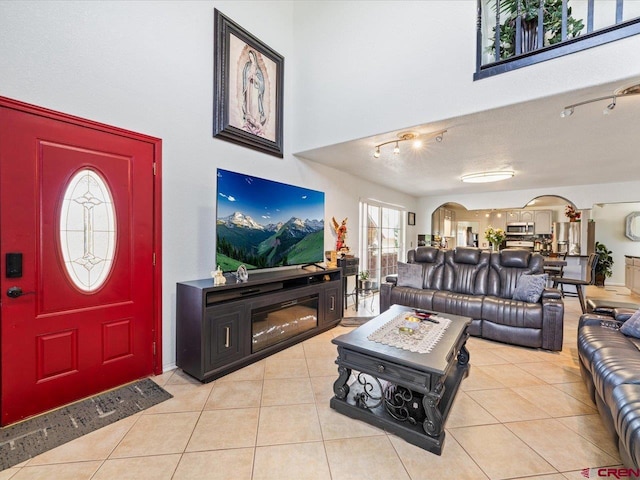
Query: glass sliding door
point(383, 237)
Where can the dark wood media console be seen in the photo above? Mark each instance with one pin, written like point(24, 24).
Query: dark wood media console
point(221, 328)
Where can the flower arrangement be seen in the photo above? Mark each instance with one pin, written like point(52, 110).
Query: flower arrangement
point(571, 213)
point(495, 236)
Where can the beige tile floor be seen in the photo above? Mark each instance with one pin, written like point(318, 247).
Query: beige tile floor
point(520, 413)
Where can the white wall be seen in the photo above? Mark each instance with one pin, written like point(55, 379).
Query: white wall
point(148, 67)
point(610, 229)
point(368, 67)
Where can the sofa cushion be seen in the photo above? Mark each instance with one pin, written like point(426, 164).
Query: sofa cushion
point(612, 367)
point(469, 276)
point(468, 255)
point(515, 258)
point(592, 338)
point(625, 411)
point(529, 288)
point(515, 313)
point(412, 297)
point(410, 275)
point(506, 268)
point(458, 304)
point(632, 326)
point(426, 254)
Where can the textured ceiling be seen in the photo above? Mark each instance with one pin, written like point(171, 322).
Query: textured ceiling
point(529, 138)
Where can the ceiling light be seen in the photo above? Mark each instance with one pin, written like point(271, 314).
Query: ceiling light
point(405, 136)
point(621, 92)
point(486, 177)
point(567, 112)
point(610, 107)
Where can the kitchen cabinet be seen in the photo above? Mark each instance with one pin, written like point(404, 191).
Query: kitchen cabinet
point(542, 220)
point(520, 216)
point(632, 274)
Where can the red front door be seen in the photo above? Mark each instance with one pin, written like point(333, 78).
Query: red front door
point(78, 285)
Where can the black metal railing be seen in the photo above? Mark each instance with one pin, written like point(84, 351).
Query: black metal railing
point(515, 33)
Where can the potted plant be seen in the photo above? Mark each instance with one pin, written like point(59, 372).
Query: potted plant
point(495, 236)
point(528, 10)
point(604, 264)
point(365, 283)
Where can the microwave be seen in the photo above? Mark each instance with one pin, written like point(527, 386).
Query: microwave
point(519, 228)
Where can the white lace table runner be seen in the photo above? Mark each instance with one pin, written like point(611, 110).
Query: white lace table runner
point(424, 337)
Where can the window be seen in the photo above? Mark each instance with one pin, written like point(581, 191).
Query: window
point(87, 230)
point(382, 238)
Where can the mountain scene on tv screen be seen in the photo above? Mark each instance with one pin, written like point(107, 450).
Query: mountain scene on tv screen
point(265, 224)
point(243, 241)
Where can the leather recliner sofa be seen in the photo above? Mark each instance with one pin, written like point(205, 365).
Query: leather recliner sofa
point(610, 367)
point(479, 284)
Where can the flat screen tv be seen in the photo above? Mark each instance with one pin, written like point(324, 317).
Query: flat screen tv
point(265, 224)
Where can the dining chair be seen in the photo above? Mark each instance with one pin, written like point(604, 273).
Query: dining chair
point(553, 271)
point(579, 283)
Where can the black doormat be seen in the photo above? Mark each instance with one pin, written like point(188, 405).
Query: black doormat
point(34, 436)
point(354, 321)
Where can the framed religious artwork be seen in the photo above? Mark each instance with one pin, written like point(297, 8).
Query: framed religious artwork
point(247, 89)
point(411, 218)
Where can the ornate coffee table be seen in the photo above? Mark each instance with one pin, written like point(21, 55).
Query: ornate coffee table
point(404, 392)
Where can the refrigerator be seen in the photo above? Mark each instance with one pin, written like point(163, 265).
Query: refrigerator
point(574, 238)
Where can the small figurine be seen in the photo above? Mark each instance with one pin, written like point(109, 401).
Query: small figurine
point(241, 274)
point(218, 277)
point(341, 232)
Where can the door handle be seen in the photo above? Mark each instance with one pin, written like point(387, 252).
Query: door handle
point(15, 292)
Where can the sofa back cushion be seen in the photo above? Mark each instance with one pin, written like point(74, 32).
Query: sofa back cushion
point(466, 270)
point(506, 268)
point(432, 261)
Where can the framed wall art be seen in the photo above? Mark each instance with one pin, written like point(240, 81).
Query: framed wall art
point(248, 89)
point(411, 218)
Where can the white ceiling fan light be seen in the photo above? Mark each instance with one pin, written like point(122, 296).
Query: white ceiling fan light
point(486, 177)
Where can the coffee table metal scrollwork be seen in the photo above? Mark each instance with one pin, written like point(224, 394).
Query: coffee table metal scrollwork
point(409, 394)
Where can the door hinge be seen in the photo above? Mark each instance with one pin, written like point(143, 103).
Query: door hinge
point(153, 346)
point(154, 259)
point(154, 169)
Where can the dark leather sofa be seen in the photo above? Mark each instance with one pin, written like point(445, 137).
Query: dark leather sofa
point(479, 284)
point(610, 367)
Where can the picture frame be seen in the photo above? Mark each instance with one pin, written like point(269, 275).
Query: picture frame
point(248, 84)
point(411, 218)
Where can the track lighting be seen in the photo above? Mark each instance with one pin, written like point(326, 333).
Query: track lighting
point(622, 92)
point(610, 107)
point(404, 136)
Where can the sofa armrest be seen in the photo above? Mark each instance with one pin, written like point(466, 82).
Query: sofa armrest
point(385, 296)
point(552, 293)
point(552, 323)
point(392, 279)
point(623, 314)
point(595, 319)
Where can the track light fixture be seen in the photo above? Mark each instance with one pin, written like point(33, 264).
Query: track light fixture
point(622, 92)
point(405, 136)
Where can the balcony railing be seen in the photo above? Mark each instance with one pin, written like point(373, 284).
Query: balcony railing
point(515, 33)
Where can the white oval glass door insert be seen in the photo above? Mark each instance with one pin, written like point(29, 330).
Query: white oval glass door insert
point(87, 230)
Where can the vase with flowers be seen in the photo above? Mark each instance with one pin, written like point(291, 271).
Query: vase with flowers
point(572, 214)
point(495, 236)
